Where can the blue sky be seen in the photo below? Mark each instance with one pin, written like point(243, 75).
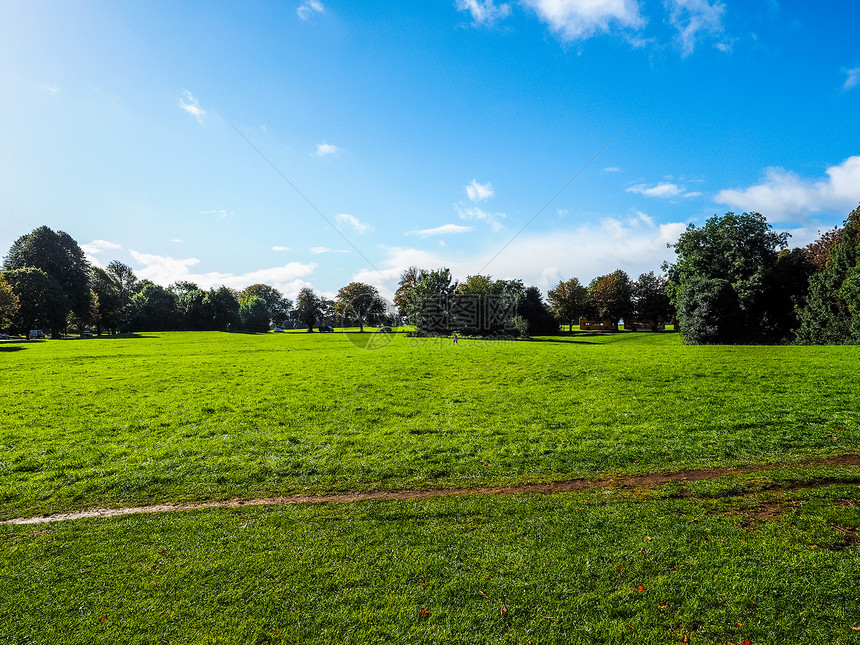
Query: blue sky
point(325, 141)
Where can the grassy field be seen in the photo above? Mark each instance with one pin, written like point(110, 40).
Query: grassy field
point(200, 416)
point(767, 555)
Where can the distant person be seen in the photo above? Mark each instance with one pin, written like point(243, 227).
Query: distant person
point(454, 336)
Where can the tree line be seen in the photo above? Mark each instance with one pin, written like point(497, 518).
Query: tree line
point(733, 280)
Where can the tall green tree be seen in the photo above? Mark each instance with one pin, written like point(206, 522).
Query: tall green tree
point(538, 317)
point(254, 313)
point(223, 304)
point(278, 306)
point(650, 301)
point(358, 303)
point(42, 302)
point(308, 307)
point(611, 296)
point(831, 314)
point(9, 303)
point(430, 301)
point(568, 301)
point(58, 256)
point(741, 250)
point(153, 308)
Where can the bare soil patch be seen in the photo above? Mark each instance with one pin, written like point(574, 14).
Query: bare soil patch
point(611, 481)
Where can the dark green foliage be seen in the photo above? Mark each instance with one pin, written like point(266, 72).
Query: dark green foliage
point(359, 304)
point(709, 312)
point(309, 307)
point(154, 309)
point(429, 307)
point(42, 302)
point(611, 296)
point(650, 301)
point(540, 320)
point(569, 301)
point(60, 257)
point(832, 311)
point(742, 251)
point(224, 308)
point(254, 313)
point(9, 303)
point(278, 307)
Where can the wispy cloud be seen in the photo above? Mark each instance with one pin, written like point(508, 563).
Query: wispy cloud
point(219, 213)
point(308, 8)
point(484, 12)
point(493, 219)
point(784, 196)
point(852, 78)
point(165, 270)
point(581, 19)
point(326, 150)
point(359, 226)
point(635, 244)
point(663, 190)
point(695, 19)
point(97, 246)
point(188, 103)
point(479, 192)
point(280, 248)
point(446, 229)
point(176, 240)
point(317, 250)
point(612, 169)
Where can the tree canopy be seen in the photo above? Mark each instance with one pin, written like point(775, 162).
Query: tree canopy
point(60, 257)
point(741, 251)
point(359, 303)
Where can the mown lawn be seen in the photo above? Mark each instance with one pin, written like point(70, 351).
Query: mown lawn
point(769, 555)
point(699, 564)
point(108, 422)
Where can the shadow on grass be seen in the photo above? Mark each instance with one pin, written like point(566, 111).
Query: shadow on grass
point(11, 348)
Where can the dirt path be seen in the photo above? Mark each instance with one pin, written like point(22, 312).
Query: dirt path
point(619, 481)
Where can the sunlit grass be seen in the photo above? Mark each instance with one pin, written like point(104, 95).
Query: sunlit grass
point(594, 567)
point(204, 415)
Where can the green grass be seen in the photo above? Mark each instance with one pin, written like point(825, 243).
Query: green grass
point(595, 567)
point(108, 422)
point(767, 554)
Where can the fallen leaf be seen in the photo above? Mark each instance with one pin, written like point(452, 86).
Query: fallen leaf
point(483, 594)
point(503, 611)
point(648, 537)
point(856, 629)
point(661, 606)
point(640, 588)
point(423, 613)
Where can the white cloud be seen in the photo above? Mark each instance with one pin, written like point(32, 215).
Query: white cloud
point(445, 229)
point(219, 213)
point(280, 248)
point(479, 192)
point(317, 250)
point(694, 19)
point(484, 12)
point(190, 105)
point(612, 169)
point(176, 240)
point(165, 270)
point(580, 19)
point(783, 196)
point(479, 214)
point(637, 245)
point(309, 7)
point(353, 221)
point(663, 190)
point(326, 150)
point(852, 78)
point(97, 246)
